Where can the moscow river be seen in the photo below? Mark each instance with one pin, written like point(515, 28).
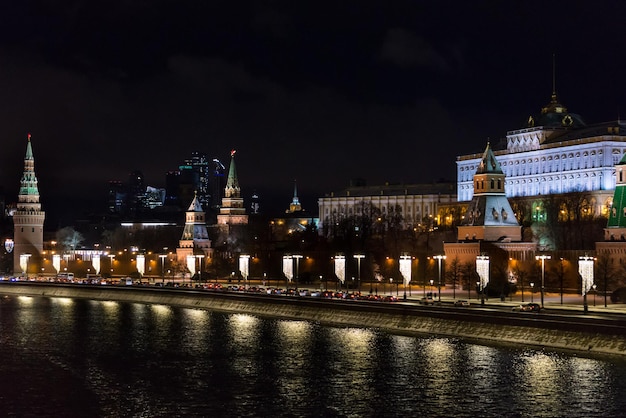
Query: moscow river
point(73, 357)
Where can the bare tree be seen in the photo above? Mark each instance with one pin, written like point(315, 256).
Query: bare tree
point(521, 274)
point(69, 239)
point(559, 272)
point(468, 272)
point(454, 274)
point(605, 272)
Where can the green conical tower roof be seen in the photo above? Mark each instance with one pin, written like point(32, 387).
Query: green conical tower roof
point(617, 215)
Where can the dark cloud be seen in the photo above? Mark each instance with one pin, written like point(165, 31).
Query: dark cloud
point(404, 49)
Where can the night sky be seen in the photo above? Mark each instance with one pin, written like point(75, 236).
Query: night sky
point(318, 91)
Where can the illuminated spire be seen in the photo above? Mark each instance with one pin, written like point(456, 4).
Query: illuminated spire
point(232, 183)
point(295, 202)
point(29, 192)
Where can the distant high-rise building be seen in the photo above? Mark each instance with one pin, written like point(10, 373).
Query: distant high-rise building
point(255, 204)
point(192, 180)
point(28, 220)
point(117, 197)
point(195, 171)
point(134, 198)
point(217, 183)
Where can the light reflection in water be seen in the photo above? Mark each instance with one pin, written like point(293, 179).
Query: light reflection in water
point(154, 360)
point(26, 300)
point(63, 301)
point(161, 311)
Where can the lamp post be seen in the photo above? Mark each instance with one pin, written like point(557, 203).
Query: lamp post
point(543, 259)
point(594, 294)
point(532, 288)
point(111, 257)
point(358, 257)
point(200, 257)
point(431, 287)
point(297, 257)
point(406, 262)
point(340, 270)
point(24, 263)
point(585, 271)
point(439, 258)
point(244, 268)
point(482, 268)
point(163, 257)
point(66, 257)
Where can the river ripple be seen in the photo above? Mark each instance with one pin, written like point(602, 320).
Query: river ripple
point(71, 357)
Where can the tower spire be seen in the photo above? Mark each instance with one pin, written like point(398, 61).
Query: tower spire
point(232, 183)
point(295, 202)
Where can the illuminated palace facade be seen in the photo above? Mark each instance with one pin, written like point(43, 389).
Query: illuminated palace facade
point(418, 204)
point(556, 153)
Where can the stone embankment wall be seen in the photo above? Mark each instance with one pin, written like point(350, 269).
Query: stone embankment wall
point(392, 318)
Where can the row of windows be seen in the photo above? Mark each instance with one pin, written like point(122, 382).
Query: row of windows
point(532, 188)
point(547, 164)
point(356, 209)
point(480, 184)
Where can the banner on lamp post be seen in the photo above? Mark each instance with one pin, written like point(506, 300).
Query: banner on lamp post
point(56, 262)
point(585, 269)
point(191, 264)
point(141, 263)
point(482, 268)
point(405, 269)
point(288, 267)
point(340, 268)
point(95, 262)
point(244, 266)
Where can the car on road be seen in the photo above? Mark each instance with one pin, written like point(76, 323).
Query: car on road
point(527, 307)
point(427, 301)
point(461, 302)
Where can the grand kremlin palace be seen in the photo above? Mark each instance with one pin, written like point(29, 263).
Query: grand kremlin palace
point(556, 153)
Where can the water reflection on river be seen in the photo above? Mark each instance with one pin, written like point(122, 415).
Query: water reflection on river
point(70, 357)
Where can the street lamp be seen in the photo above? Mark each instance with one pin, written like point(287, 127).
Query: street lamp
point(594, 294)
point(24, 263)
point(358, 257)
point(439, 258)
point(482, 268)
point(162, 257)
point(200, 257)
point(297, 257)
point(405, 271)
point(244, 268)
point(543, 259)
point(532, 294)
point(585, 270)
point(340, 270)
point(111, 257)
point(66, 257)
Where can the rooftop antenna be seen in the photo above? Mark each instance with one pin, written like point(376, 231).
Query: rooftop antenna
point(553, 78)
